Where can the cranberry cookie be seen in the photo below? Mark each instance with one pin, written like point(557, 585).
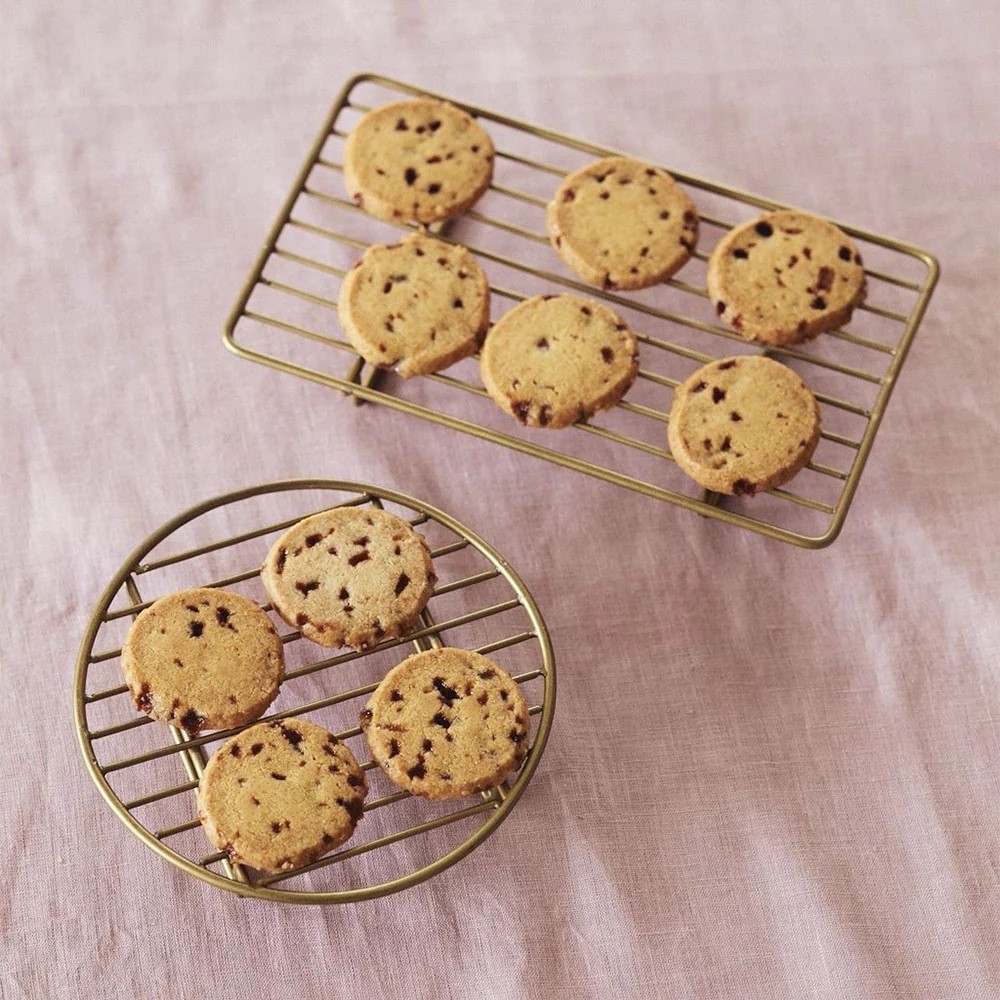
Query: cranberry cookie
point(203, 659)
point(785, 277)
point(420, 161)
point(742, 425)
point(555, 359)
point(621, 223)
point(280, 795)
point(446, 723)
point(420, 304)
point(349, 576)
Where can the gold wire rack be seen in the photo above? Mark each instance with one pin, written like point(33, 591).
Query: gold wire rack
point(285, 317)
point(148, 772)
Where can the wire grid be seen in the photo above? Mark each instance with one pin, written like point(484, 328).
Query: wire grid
point(285, 317)
point(149, 772)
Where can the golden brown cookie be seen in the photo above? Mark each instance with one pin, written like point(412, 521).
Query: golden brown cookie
point(556, 359)
point(743, 425)
point(785, 277)
point(349, 576)
point(622, 223)
point(419, 160)
point(203, 659)
point(420, 304)
point(447, 723)
point(280, 795)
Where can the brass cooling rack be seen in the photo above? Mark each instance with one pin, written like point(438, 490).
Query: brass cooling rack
point(148, 772)
point(285, 317)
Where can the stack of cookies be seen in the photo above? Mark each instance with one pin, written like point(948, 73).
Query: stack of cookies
point(280, 794)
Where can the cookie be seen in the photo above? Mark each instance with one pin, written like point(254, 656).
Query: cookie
point(420, 161)
point(280, 795)
point(349, 576)
point(742, 425)
point(621, 223)
point(420, 304)
point(203, 659)
point(447, 723)
point(784, 277)
point(555, 359)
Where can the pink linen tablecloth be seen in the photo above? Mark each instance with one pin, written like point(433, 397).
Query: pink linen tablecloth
point(771, 772)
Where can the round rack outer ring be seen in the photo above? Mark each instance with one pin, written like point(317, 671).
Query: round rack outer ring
point(494, 818)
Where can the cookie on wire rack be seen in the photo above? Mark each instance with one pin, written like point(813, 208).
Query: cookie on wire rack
point(280, 795)
point(620, 223)
point(447, 723)
point(785, 277)
point(742, 425)
point(203, 658)
point(350, 576)
point(421, 160)
point(556, 359)
point(420, 305)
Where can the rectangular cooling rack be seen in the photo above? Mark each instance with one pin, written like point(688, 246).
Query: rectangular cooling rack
point(285, 317)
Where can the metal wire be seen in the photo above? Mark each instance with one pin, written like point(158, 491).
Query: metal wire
point(165, 766)
point(662, 349)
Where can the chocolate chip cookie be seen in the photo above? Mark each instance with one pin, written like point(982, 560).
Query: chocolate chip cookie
point(446, 723)
point(349, 576)
point(280, 795)
point(785, 277)
point(622, 223)
point(419, 160)
point(420, 304)
point(556, 359)
point(743, 425)
point(203, 659)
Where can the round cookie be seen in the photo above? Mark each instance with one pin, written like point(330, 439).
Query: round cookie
point(447, 723)
point(203, 659)
point(743, 425)
point(420, 304)
point(621, 223)
point(784, 277)
point(419, 160)
point(281, 794)
point(556, 359)
point(349, 576)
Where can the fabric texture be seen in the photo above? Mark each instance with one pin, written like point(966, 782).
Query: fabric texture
point(772, 771)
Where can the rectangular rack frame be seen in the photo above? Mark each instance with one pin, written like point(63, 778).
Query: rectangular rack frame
point(856, 371)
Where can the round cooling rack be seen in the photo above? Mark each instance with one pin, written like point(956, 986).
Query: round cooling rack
point(148, 772)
